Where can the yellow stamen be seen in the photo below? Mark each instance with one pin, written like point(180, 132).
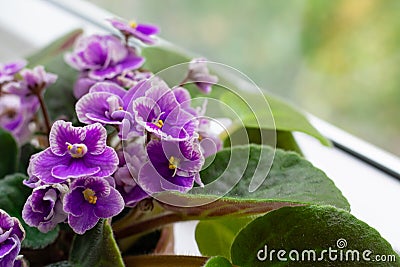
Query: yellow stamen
point(120, 108)
point(69, 147)
point(133, 24)
point(89, 196)
point(159, 124)
point(172, 163)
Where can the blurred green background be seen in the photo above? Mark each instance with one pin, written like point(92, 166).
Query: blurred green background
point(339, 60)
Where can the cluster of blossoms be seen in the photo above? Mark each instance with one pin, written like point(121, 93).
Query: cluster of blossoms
point(21, 91)
point(137, 136)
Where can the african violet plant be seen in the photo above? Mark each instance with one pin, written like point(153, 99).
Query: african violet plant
point(99, 160)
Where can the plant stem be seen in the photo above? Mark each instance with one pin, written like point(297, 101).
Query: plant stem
point(45, 113)
point(148, 225)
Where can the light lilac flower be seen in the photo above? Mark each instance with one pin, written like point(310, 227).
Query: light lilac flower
point(103, 57)
point(15, 117)
point(159, 112)
point(200, 75)
point(74, 152)
point(209, 142)
point(43, 208)
point(31, 83)
point(103, 104)
point(8, 70)
point(142, 32)
point(89, 199)
point(171, 166)
point(11, 236)
point(131, 160)
point(127, 79)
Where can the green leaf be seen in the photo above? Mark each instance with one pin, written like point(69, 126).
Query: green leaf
point(60, 264)
point(218, 262)
point(164, 261)
point(315, 228)
point(284, 139)
point(9, 152)
point(215, 237)
point(247, 105)
point(13, 195)
point(250, 108)
point(97, 247)
point(291, 181)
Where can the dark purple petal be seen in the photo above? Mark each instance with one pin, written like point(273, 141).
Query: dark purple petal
point(110, 205)
point(147, 29)
point(100, 186)
point(95, 139)
point(42, 164)
point(106, 161)
point(84, 222)
point(62, 133)
point(177, 183)
point(75, 203)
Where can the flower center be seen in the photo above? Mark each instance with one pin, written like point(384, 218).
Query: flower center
point(158, 123)
point(89, 196)
point(133, 24)
point(173, 164)
point(77, 150)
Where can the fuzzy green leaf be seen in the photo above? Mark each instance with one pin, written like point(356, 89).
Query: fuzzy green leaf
point(215, 237)
point(9, 153)
point(310, 228)
point(97, 247)
point(218, 262)
point(290, 181)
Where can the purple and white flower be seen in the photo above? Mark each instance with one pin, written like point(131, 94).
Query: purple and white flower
point(74, 152)
point(171, 166)
point(44, 209)
point(8, 70)
point(159, 112)
point(104, 104)
point(89, 199)
point(11, 236)
point(200, 75)
point(103, 57)
point(33, 82)
point(142, 32)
